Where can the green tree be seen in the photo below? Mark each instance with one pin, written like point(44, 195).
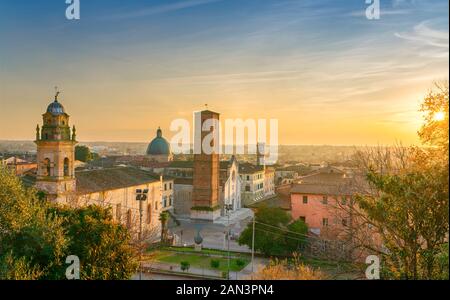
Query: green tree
point(296, 237)
point(409, 201)
point(103, 246)
point(185, 266)
point(271, 232)
point(83, 153)
point(215, 263)
point(435, 131)
point(32, 242)
point(12, 268)
point(409, 211)
point(442, 263)
point(36, 237)
point(164, 218)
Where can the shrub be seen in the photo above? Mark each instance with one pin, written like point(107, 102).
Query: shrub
point(225, 275)
point(282, 270)
point(215, 263)
point(184, 265)
point(240, 262)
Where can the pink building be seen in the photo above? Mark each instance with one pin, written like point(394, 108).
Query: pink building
point(323, 200)
point(320, 200)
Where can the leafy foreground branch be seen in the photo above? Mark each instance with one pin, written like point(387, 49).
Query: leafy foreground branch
point(285, 270)
point(410, 200)
point(36, 237)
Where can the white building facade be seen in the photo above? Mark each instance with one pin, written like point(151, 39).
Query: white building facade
point(231, 188)
point(252, 188)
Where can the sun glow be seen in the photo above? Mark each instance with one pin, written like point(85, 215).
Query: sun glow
point(439, 116)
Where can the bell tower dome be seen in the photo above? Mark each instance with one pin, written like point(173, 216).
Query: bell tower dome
point(56, 154)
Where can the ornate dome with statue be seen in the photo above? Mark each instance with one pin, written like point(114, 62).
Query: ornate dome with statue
point(56, 108)
point(159, 148)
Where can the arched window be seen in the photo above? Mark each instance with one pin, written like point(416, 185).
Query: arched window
point(66, 167)
point(47, 168)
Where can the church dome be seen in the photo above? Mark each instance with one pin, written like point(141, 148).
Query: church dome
point(55, 108)
point(159, 145)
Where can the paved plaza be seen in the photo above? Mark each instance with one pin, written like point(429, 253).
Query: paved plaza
point(214, 234)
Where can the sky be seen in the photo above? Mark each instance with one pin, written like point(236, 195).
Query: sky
point(325, 71)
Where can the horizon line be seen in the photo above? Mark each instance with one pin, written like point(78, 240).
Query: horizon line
point(311, 144)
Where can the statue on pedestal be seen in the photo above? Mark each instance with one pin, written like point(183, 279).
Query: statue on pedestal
point(198, 241)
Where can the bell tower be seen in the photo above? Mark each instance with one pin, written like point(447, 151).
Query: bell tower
point(56, 154)
point(205, 196)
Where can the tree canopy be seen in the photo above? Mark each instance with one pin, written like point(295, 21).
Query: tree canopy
point(410, 203)
point(274, 232)
point(84, 154)
point(36, 237)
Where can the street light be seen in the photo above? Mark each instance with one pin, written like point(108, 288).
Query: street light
point(228, 207)
point(141, 196)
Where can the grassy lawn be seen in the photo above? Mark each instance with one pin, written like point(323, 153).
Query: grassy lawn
point(198, 260)
point(204, 251)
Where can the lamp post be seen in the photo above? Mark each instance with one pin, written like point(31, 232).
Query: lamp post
point(141, 196)
point(253, 244)
point(228, 207)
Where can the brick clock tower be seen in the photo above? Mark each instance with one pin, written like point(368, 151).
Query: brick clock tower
point(56, 154)
point(205, 197)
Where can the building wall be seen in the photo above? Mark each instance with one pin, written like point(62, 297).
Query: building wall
point(252, 187)
point(21, 168)
point(161, 158)
point(318, 216)
point(179, 172)
point(231, 190)
point(353, 228)
point(167, 194)
point(269, 183)
point(283, 177)
point(125, 208)
point(183, 199)
point(56, 183)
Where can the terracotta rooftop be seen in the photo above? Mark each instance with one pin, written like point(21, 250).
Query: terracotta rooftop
point(319, 189)
point(91, 181)
point(269, 170)
point(185, 181)
point(330, 181)
point(184, 164)
point(248, 168)
point(28, 180)
point(189, 164)
point(110, 179)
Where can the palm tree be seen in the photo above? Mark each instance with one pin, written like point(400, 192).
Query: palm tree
point(164, 219)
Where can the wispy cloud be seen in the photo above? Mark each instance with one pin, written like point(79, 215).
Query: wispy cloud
point(434, 43)
point(159, 9)
point(383, 12)
point(397, 3)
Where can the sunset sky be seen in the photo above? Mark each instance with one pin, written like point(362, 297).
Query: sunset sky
point(330, 75)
